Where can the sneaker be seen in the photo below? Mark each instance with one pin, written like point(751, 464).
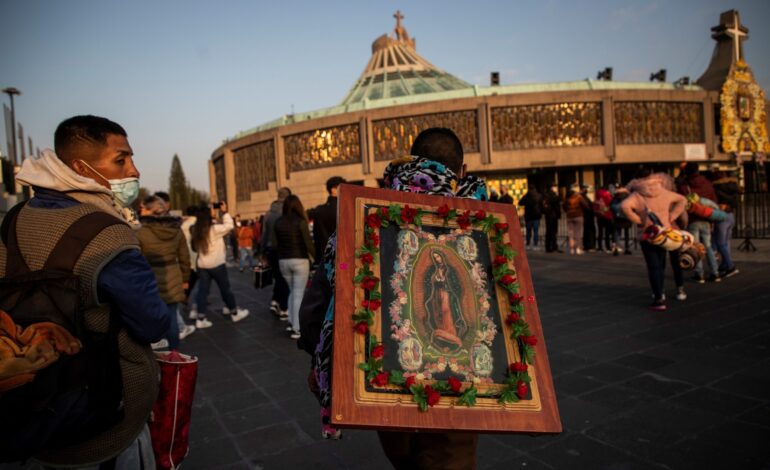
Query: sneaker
point(699, 279)
point(289, 328)
point(227, 311)
point(193, 314)
point(729, 272)
point(715, 278)
point(578, 251)
point(202, 323)
point(658, 305)
point(186, 331)
point(681, 294)
point(295, 335)
point(284, 315)
point(162, 344)
point(240, 314)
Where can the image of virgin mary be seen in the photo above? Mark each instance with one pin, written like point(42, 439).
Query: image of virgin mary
point(445, 322)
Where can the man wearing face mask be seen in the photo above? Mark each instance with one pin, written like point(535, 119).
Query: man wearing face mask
point(92, 170)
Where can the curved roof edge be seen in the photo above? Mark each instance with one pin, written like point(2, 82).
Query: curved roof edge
point(474, 91)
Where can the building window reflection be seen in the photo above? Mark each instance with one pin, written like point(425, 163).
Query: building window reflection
point(332, 146)
point(393, 138)
point(254, 168)
point(546, 125)
point(658, 122)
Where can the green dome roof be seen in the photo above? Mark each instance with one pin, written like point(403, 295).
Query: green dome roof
point(396, 69)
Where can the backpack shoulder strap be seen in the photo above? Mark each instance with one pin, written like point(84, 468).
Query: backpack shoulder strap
point(14, 264)
point(75, 239)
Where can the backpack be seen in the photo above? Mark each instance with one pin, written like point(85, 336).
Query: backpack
point(76, 396)
point(617, 213)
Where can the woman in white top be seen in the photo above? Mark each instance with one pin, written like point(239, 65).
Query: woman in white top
point(208, 240)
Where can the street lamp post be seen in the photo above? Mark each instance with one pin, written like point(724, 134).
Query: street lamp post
point(11, 92)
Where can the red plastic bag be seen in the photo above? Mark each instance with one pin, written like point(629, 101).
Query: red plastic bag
point(170, 422)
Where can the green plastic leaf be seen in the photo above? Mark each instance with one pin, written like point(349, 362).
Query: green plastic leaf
point(397, 377)
point(468, 397)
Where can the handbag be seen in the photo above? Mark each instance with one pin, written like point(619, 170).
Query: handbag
point(263, 276)
point(170, 418)
point(667, 238)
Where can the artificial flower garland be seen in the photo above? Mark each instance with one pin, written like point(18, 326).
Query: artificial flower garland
point(516, 384)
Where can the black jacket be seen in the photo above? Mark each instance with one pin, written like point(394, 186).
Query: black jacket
point(291, 238)
point(727, 192)
point(552, 206)
point(533, 205)
point(324, 223)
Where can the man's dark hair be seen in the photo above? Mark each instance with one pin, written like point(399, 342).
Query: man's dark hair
point(333, 182)
point(79, 132)
point(440, 145)
point(690, 168)
point(163, 195)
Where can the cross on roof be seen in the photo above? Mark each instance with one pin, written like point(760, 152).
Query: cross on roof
point(398, 16)
point(738, 34)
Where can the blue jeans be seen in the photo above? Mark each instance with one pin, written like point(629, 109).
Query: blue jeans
point(655, 258)
point(296, 272)
point(219, 275)
point(533, 227)
point(173, 330)
point(246, 255)
point(723, 233)
point(701, 230)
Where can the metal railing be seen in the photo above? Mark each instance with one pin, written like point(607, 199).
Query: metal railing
point(752, 217)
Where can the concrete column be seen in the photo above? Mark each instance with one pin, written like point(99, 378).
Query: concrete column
point(485, 133)
point(363, 142)
point(232, 204)
point(708, 127)
point(608, 128)
point(212, 181)
point(281, 169)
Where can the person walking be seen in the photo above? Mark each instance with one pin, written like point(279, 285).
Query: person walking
point(695, 182)
point(163, 244)
point(291, 238)
point(533, 212)
point(245, 245)
point(279, 304)
point(208, 240)
point(552, 212)
point(574, 206)
point(505, 196)
point(649, 195)
point(620, 222)
point(324, 216)
point(589, 220)
point(603, 214)
point(727, 191)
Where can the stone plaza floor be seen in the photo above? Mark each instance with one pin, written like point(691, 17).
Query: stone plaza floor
point(637, 389)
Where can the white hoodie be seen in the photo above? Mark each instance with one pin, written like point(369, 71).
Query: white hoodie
point(216, 253)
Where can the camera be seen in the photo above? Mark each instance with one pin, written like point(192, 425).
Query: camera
point(216, 205)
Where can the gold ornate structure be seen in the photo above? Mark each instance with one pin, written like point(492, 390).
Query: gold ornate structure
point(394, 137)
point(743, 113)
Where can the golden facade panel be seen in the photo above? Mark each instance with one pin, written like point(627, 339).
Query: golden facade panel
point(254, 168)
point(394, 137)
point(546, 125)
point(320, 148)
point(658, 122)
point(220, 179)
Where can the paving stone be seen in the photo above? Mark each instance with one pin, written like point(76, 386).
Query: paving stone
point(745, 385)
point(239, 400)
point(242, 421)
point(582, 452)
point(659, 385)
point(634, 436)
point(575, 384)
point(608, 372)
point(759, 416)
point(674, 417)
point(618, 397)
point(642, 361)
point(715, 401)
point(209, 454)
point(271, 440)
point(578, 415)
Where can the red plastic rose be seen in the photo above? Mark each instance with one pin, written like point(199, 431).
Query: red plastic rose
point(480, 215)
point(378, 351)
point(373, 220)
point(373, 240)
point(501, 227)
point(384, 214)
point(522, 389)
point(408, 214)
point(443, 211)
point(432, 396)
point(515, 298)
point(500, 260)
point(361, 327)
point(409, 382)
point(371, 304)
point(512, 318)
point(369, 282)
point(518, 367)
point(381, 379)
point(464, 221)
point(507, 279)
point(455, 384)
point(366, 258)
point(529, 340)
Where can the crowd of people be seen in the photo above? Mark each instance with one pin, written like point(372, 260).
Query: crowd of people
point(141, 270)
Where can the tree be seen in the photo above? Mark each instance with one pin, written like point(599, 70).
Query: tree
point(178, 187)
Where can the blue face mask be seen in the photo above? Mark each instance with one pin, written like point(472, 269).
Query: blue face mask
point(125, 190)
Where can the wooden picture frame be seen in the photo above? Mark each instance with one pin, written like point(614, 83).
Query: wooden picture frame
point(437, 289)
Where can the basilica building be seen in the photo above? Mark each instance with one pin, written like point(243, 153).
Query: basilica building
point(593, 132)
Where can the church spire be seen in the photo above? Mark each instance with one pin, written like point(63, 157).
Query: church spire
point(729, 35)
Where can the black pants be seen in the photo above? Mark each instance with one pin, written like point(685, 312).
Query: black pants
point(280, 287)
point(655, 257)
point(589, 232)
point(551, 231)
point(606, 233)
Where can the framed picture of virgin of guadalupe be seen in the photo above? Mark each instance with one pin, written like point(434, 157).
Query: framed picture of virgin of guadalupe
point(436, 321)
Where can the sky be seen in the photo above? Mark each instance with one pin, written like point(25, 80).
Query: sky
point(183, 75)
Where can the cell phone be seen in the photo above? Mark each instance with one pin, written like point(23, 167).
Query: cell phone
point(216, 205)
